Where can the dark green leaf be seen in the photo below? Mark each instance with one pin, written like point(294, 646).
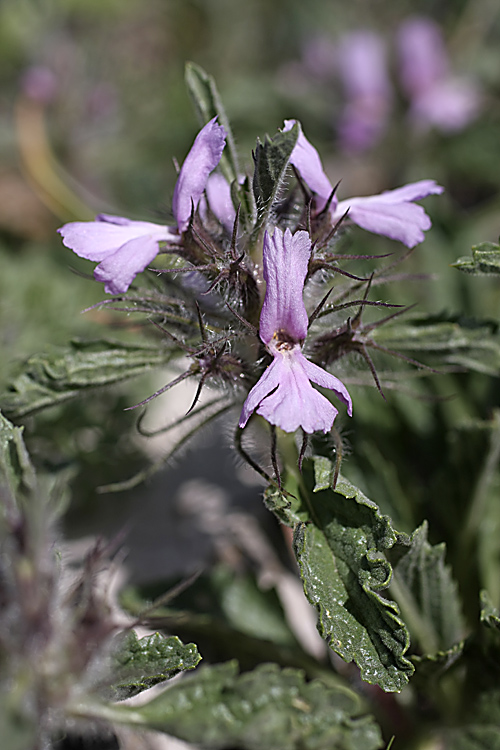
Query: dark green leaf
point(479, 718)
point(490, 615)
point(427, 594)
point(474, 345)
point(250, 609)
point(271, 161)
point(140, 664)
point(430, 666)
point(485, 260)
point(482, 729)
point(229, 616)
point(16, 471)
point(340, 542)
point(207, 101)
point(267, 709)
point(49, 379)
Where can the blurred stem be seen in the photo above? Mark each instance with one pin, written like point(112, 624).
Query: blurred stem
point(42, 167)
point(418, 626)
point(479, 499)
point(107, 712)
point(294, 483)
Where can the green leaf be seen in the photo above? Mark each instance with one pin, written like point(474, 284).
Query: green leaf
point(242, 196)
point(340, 541)
point(485, 260)
point(271, 161)
point(427, 594)
point(249, 609)
point(267, 709)
point(472, 344)
point(479, 719)
point(229, 616)
point(207, 101)
point(17, 474)
point(50, 379)
point(140, 664)
point(489, 616)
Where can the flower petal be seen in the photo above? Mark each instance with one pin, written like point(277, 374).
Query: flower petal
point(392, 212)
point(286, 258)
point(95, 240)
point(219, 200)
point(119, 269)
point(325, 379)
point(306, 161)
point(294, 403)
point(414, 191)
point(269, 380)
point(405, 222)
point(202, 159)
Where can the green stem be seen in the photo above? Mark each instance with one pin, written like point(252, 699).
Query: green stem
point(479, 499)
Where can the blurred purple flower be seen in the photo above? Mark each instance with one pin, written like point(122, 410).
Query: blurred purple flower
point(438, 98)
point(319, 57)
point(284, 394)
point(362, 69)
point(123, 247)
point(391, 213)
point(40, 84)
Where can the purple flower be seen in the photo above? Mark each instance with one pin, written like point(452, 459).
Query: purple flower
point(218, 191)
point(363, 72)
point(391, 213)
point(202, 159)
point(438, 98)
point(284, 394)
point(123, 247)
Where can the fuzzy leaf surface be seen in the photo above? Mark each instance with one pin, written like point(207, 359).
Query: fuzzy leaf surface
point(17, 474)
point(52, 378)
point(341, 540)
point(266, 709)
point(141, 663)
point(208, 104)
point(485, 260)
point(474, 345)
point(479, 725)
point(271, 159)
point(423, 586)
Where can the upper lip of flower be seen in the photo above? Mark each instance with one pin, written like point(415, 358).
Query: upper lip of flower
point(392, 213)
point(123, 247)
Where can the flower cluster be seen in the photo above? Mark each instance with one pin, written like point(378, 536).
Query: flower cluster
point(256, 262)
point(437, 96)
